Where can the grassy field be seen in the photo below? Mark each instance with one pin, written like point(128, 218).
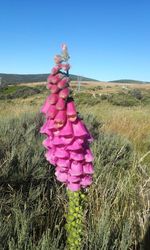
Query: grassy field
point(32, 202)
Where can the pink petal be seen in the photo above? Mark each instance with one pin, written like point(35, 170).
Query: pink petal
point(86, 181)
point(67, 129)
point(57, 140)
point(45, 106)
point(79, 129)
point(45, 129)
point(64, 163)
point(71, 111)
point(49, 79)
point(61, 153)
point(53, 98)
point(55, 70)
point(88, 156)
point(54, 89)
point(74, 146)
point(57, 78)
point(76, 156)
point(88, 168)
point(52, 111)
point(62, 177)
point(64, 93)
point(73, 186)
point(63, 83)
point(76, 169)
point(47, 143)
point(60, 105)
point(62, 169)
point(50, 156)
point(60, 119)
point(50, 124)
point(67, 139)
point(74, 178)
point(49, 85)
point(80, 140)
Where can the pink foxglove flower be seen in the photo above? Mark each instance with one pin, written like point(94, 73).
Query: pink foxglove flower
point(67, 138)
point(64, 93)
point(60, 105)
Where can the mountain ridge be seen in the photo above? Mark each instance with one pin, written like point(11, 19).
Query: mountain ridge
point(8, 79)
point(26, 78)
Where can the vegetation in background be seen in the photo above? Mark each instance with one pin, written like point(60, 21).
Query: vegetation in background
point(34, 204)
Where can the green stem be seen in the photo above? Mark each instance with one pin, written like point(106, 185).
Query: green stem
point(74, 226)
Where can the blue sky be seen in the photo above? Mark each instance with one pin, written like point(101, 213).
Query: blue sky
point(107, 40)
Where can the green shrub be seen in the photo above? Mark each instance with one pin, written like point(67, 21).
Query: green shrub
point(123, 100)
point(33, 203)
point(136, 93)
point(13, 92)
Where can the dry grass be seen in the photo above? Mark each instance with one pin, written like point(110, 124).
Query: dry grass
point(131, 122)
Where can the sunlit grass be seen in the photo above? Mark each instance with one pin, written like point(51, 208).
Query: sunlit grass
point(33, 204)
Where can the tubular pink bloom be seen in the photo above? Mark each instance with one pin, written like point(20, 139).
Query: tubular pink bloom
point(47, 143)
point(57, 78)
point(62, 177)
point(80, 140)
point(60, 105)
point(74, 146)
point(74, 186)
point(49, 79)
point(60, 119)
point(67, 130)
point(67, 139)
point(49, 86)
point(88, 155)
point(62, 169)
point(57, 140)
point(88, 168)
point(53, 98)
point(61, 153)
point(54, 89)
point(45, 106)
point(50, 124)
point(79, 129)
point(63, 163)
point(56, 131)
point(63, 83)
point(52, 111)
point(45, 130)
point(86, 181)
point(64, 93)
point(77, 156)
point(71, 111)
point(55, 70)
point(74, 178)
point(76, 169)
point(49, 155)
point(58, 59)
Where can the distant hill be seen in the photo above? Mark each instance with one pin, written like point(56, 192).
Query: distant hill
point(129, 81)
point(19, 78)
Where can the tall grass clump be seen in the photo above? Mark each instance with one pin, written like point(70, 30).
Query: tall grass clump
point(34, 204)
